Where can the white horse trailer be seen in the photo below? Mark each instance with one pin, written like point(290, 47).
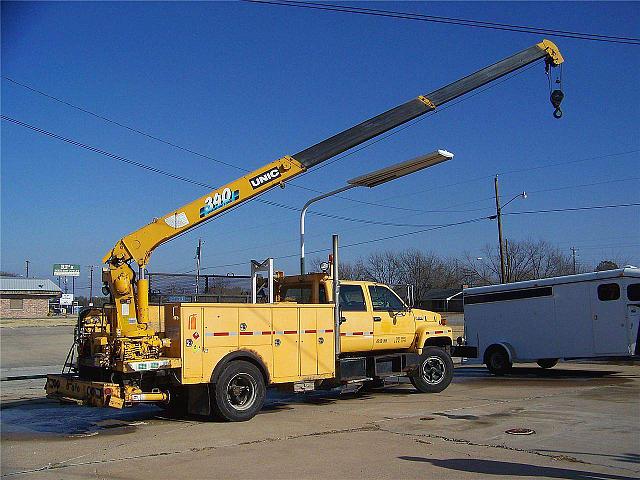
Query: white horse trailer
point(577, 316)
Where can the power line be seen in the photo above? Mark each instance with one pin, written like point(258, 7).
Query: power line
point(114, 156)
point(120, 124)
point(452, 21)
point(573, 209)
point(438, 227)
point(181, 178)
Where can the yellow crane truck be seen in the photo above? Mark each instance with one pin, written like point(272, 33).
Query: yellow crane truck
point(218, 359)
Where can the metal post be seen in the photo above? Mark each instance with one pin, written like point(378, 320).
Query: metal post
point(303, 214)
point(573, 253)
point(198, 251)
point(73, 286)
point(90, 285)
point(506, 254)
point(336, 295)
point(27, 262)
point(499, 216)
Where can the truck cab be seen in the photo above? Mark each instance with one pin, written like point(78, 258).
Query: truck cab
point(373, 317)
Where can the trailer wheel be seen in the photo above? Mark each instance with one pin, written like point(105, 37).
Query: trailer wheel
point(497, 360)
point(239, 392)
point(547, 362)
point(435, 371)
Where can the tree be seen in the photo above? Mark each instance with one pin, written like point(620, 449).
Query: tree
point(9, 274)
point(606, 265)
point(525, 260)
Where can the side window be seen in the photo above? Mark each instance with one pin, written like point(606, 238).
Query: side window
point(633, 292)
point(352, 298)
point(384, 299)
point(608, 292)
point(16, 304)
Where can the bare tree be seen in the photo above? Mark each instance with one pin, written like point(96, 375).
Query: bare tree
point(525, 260)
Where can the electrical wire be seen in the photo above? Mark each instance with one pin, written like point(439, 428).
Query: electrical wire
point(451, 20)
point(438, 227)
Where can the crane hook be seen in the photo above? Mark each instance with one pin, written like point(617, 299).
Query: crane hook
point(556, 99)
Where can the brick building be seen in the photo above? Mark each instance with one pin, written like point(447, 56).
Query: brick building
point(26, 297)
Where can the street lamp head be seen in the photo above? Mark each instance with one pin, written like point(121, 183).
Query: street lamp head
point(524, 195)
point(401, 169)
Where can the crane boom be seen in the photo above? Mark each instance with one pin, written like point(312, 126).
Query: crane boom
point(132, 303)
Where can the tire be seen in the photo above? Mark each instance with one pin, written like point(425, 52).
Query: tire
point(435, 371)
point(547, 362)
point(497, 361)
point(239, 393)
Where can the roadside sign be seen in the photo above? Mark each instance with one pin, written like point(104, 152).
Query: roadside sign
point(66, 299)
point(66, 270)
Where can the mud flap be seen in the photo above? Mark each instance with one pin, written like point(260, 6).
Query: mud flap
point(198, 400)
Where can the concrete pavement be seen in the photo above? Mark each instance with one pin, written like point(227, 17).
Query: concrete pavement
point(585, 418)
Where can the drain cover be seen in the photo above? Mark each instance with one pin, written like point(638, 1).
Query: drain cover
point(520, 431)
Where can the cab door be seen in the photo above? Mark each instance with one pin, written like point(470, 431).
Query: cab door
point(356, 330)
point(393, 323)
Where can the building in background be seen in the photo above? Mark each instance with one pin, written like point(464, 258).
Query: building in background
point(442, 300)
point(26, 297)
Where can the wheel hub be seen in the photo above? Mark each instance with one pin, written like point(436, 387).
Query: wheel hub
point(241, 391)
point(433, 370)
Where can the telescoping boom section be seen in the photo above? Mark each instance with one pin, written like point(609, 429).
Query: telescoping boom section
point(128, 320)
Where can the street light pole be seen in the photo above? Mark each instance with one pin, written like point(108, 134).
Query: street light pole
point(499, 217)
point(27, 262)
point(303, 214)
point(374, 179)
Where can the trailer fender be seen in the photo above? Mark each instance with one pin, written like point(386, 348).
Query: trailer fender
point(247, 355)
point(506, 346)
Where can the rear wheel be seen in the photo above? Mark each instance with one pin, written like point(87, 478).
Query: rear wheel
point(239, 392)
point(435, 371)
point(497, 361)
point(547, 362)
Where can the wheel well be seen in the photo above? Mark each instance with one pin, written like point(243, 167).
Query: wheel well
point(247, 356)
point(437, 342)
point(492, 348)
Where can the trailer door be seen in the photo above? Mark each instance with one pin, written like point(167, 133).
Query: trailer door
point(609, 318)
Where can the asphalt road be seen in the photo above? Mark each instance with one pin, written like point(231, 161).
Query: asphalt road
point(585, 417)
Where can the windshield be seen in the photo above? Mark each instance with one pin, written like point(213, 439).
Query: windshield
point(384, 299)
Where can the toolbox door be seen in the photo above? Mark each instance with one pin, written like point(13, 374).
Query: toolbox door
point(308, 342)
point(285, 342)
point(191, 319)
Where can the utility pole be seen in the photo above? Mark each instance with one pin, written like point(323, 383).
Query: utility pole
point(506, 254)
point(27, 262)
point(573, 254)
point(197, 257)
point(499, 217)
point(90, 285)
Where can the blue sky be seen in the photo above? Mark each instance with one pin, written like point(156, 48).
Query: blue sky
point(247, 83)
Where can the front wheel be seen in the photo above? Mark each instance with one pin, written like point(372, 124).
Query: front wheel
point(434, 372)
point(239, 393)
